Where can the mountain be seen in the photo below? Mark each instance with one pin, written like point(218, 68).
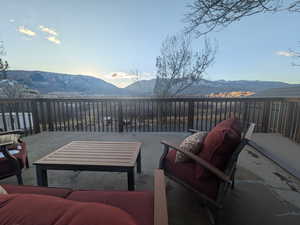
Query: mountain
point(142, 87)
point(206, 87)
point(53, 83)
point(231, 94)
point(48, 83)
point(280, 92)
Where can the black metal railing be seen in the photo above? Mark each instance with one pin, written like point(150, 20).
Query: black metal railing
point(276, 115)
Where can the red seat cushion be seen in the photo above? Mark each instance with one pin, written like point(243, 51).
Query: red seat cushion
point(186, 172)
point(22, 189)
point(138, 204)
point(219, 145)
point(28, 209)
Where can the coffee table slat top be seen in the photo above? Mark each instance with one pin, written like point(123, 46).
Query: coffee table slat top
point(96, 153)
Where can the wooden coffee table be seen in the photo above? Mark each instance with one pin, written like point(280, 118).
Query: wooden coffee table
point(92, 156)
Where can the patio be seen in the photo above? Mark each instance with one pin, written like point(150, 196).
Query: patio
point(264, 194)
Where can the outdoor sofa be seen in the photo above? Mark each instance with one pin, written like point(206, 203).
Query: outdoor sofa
point(32, 205)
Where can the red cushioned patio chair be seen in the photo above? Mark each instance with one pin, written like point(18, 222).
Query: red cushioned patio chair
point(213, 183)
point(13, 155)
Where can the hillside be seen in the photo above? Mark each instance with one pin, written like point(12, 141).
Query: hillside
point(142, 87)
point(51, 83)
point(231, 94)
point(206, 87)
point(280, 92)
point(59, 84)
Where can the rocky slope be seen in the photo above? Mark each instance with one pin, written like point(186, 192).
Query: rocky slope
point(206, 87)
point(47, 83)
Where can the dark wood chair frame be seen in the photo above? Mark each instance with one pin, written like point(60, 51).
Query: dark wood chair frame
point(11, 158)
point(227, 177)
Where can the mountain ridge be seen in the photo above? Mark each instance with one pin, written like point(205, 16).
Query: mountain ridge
point(206, 87)
point(50, 83)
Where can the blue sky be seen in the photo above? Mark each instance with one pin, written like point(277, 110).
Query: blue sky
point(102, 38)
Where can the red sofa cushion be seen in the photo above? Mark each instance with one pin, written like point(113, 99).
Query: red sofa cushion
point(140, 205)
point(58, 192)
point(28, 209)
point(186, 172)
point(219, 145)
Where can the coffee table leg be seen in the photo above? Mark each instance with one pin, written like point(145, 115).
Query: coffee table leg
point(130, 179)
point(41, 174)
point(139, 163)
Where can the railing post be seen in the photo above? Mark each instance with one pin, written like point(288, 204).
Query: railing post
point(191, 112)
point(245, 115)
point(49, 116)
point(120, 116)
point(289, 119)
point(266, 116)
point(35, 116)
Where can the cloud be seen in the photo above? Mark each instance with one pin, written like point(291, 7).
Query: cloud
point(48, 30)
point(54, 40)
point(123, 79)
point(26, 31)
point(11, 20)
point(286, 53)
point(121, 75)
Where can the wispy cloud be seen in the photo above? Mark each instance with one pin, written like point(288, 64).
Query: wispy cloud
point(54, 40)
point(48, 30)
point(26, 31)
point(122, 75)
point(286, 53)
point(123, 79)
point(11, 20)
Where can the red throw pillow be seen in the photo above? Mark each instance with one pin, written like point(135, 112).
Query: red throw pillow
point(219, 145)
point(29, 209)
point(231, 123)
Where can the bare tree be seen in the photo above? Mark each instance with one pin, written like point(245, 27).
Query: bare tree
point(207, 15)
point(178, 66)
point(3, 64)
point(11, 89)
point(136, 75)
point(296, 55)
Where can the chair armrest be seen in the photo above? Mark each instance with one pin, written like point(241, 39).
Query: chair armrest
point(202, 162)
point(160, 199)
point(249, 132)
point(7, 155)
point(193, 131)
point(12, 132)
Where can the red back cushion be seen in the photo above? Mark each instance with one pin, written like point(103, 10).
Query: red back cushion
point(219, 145)
point(28, 209)
point(231, 123)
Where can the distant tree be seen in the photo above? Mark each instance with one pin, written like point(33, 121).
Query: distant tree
point(3, 64)
point(207, 15)
point(178, 66)
point(136, 75)
point(11, 88)
point(296, 55)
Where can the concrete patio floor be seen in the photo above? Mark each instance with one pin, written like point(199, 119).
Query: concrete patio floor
point(264, 194)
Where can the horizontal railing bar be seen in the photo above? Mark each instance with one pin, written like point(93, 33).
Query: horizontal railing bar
point(154, 99)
